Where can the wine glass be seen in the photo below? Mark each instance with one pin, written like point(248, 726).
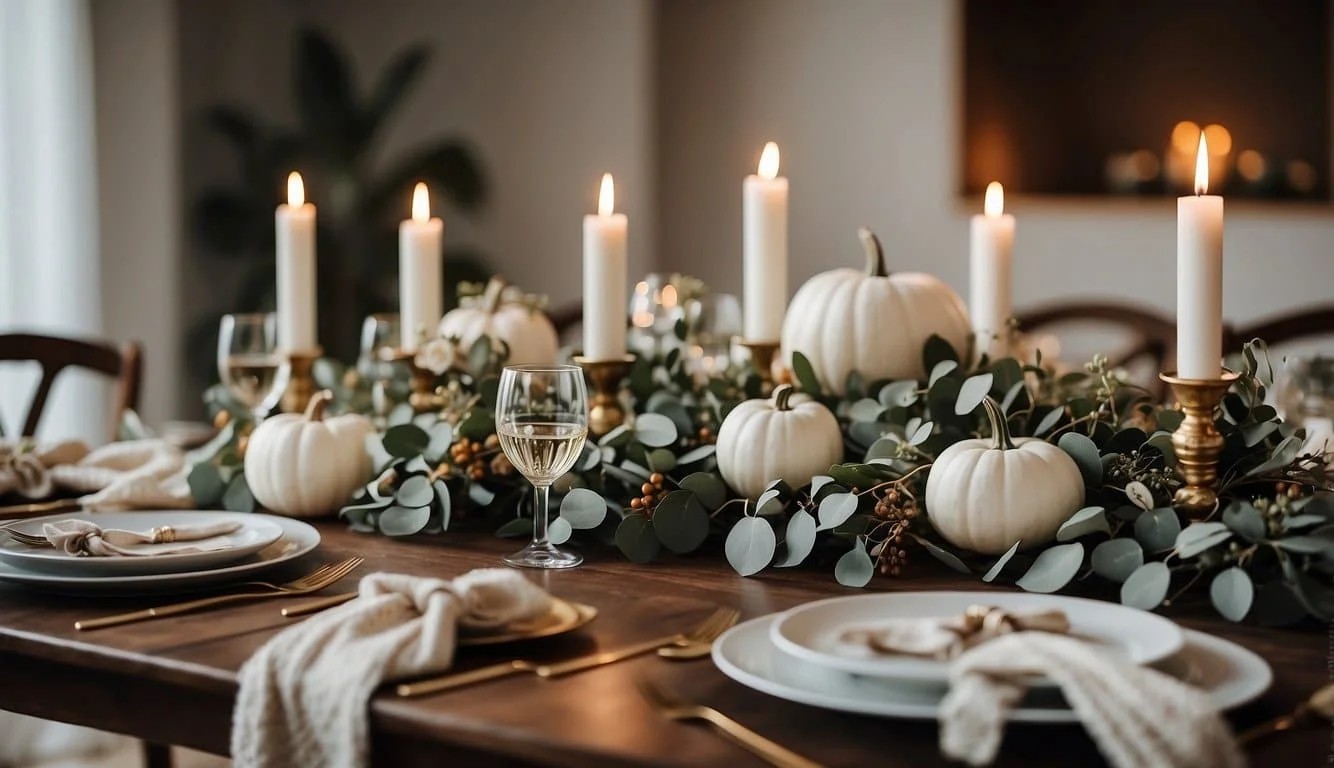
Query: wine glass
point(249, 362)
point(542, 421)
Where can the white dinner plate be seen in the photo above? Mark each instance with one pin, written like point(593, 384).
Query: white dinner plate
point(1228, 673)
point(812, 631)
point(297, 539)
point(255, 533)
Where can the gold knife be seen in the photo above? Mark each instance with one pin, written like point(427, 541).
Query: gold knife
point(21, 511)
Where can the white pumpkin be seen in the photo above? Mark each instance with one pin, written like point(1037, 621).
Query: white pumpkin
point(303, 465)
point(984, 495)
point(870, 321)
point(765, 440)
point(530, 335)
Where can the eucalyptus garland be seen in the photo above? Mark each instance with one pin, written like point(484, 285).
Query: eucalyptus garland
point(653, 484)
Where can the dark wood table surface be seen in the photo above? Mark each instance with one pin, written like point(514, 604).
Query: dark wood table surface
point(174, 680)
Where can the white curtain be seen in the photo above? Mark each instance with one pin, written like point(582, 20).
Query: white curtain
point(49, 272)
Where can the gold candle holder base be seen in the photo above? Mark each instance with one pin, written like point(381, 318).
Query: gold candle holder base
point(762, 355)
point(605, 411)
point(300, 380)
point(423, 398)
point(1197, 442)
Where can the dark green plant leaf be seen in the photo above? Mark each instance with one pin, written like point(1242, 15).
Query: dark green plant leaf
point(1232, 593)
point(617, 436)
point(448, 166)
point(518, 527)
point(237, 497)
point(206, 486)
point(1116, 559)
point(395, 81)
point(1082, 523)
point(406, 440)
point(1245, 520)
point(936, 351)
point(1085, 454)
point(415, 491)
point(750, 545)
point(681, 522)
point(1282, 456)
point(661, 460)
point(325, 97)
point(1053, 569)
point(805, 374)
point(855, 568)
point(800, 539)
point(1276, 604)
point(1163, 442)
point(636, 539)
point(999, 565)
point(1157, 529)
point(1049, 422)
point(710, 489)
point(1011, 396)
point(584, 509)
point(404, 521)
point(943, 555)
point(1146, 588)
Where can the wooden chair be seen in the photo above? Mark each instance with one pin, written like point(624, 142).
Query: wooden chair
point(55, 354)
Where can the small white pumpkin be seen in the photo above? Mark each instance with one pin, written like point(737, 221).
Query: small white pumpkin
point(986, 494)
point(531, 337)
point(303, 465)
point(870, 321)
point(764, 440)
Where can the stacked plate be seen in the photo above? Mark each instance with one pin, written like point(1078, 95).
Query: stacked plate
point(800, 656)
point(260, 542)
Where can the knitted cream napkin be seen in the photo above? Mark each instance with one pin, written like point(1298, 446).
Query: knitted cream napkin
point(946, 637)
point(1136, 715)
point(80, 537)
point(304, 694)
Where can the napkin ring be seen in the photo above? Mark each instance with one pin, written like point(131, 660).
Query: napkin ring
point(988, 620)
point(164, 534)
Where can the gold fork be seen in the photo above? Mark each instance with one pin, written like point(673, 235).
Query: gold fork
point(708, 630)
point(314, 581)
point(673, 708)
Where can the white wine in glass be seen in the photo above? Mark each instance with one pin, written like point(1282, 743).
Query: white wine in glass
point(542, 422)
point(249, 362)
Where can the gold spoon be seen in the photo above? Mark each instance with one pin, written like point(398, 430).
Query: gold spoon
point(1321, 704)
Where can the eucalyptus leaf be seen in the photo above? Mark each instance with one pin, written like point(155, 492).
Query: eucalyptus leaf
point(1011, 396)
point(939, 371)
point(921, 434)
point(655, 430)
point(583, 509)
point(943, 555)
point(937, 350)
point(519, 526)
point(559, 530)
point(1116, 559)
point(615, 435)
point(972, 392)
point(1198, 537)
point(1162, 441)
point(1244, 519)
point(399, 415)
point(206, 485)
point(899, 394)
point(1082, 523)
point(415, 491)
point(406, 440)
point(1277, 604)
point(374, 446)
point(442, 497)
point(642, 473)
point(1157, 529)
point(835, 509)
point(480, 494)
point(855, 568)
point(237, 497)
point(884, 448)
point(681, 522)
point(636, 539)
point(417, 465)
point(1295, 522)
point(710, 489)
point(1085, 453)
point(866, 409)
point(805, 374)
point(1232, 593)
point(800, 539)
point(999, 565)
point(441, 437)
point(1282, 456)
point(818, 482)
point(404, 521)
point(1049, 421)
point(1146, 588)
point(750, 545)
point(696, 454)
point(1053, 569)
point(1254, 434)
point(1139, 494)
point(479, 354)
point(661, 460)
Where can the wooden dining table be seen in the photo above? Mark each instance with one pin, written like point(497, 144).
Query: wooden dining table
point(174, 680)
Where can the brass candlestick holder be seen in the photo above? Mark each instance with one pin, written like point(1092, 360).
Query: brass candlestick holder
point(762, 355)
point(605, 412)
point(1197, 442)
point(423, 398)
point(300, 379)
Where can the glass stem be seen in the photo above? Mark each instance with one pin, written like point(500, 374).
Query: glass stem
point(541, 496)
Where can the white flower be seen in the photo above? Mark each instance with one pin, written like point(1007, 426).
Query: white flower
point(436, 356)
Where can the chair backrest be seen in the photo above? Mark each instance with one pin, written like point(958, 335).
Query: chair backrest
point(55, 354)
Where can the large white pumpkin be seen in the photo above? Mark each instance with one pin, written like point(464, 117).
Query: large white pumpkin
point(303, 465)
point(769, 439)
point(530, 335)
point(870, 321)
point(984, 495)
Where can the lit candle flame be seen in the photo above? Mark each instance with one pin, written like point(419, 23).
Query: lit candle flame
point(994, 203)
point(296, 191)
point(769, 161)
point(606, 196)
point(1202, 167)
point(421, 203)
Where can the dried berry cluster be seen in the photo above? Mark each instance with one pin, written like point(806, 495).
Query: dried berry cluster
point(652, 493)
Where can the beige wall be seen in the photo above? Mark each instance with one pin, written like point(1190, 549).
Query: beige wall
point(861, 96)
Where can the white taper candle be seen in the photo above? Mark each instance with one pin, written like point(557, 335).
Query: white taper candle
point(294, 224)
point(420, 271)
point(764, 249)
point(1200, 277)
point(606, 301)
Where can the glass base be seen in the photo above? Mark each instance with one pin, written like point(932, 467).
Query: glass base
point(543, 556)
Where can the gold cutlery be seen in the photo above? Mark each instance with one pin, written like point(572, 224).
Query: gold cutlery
point(673, 708)
point(315, 606)
point(26, 539)
point(708, 630)
point(314, 581)
point(1320, 705)
point(20, 511)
